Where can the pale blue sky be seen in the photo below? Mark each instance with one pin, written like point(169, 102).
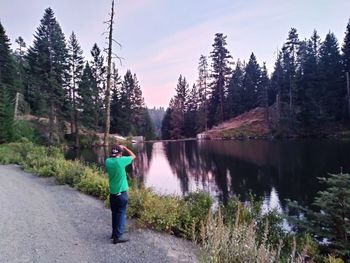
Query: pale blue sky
point(164, 38)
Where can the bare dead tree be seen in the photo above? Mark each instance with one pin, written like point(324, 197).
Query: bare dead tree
point(108, 90)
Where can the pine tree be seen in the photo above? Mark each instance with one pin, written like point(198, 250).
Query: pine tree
point(86, 101)
point(6, 115)
point(203, 92)
point(126, 126)
point(251, 84)
point(138, 108)
point(6, 64)
point(263, 91)
point(21, 65)
point(329, 217)
point(277, 81)
point(179, 108)
point(307, 81)
point(47, 61)
point(191, 119)
point(147, 127)
point(116, 109)
point(7, 89)
point(234, 102)
point(98, 71)
point(176, 120)
point(289, 57)
point(166, 123)
point(346, 63)
point(221, 72)
point(332, 88)
point(76, 65)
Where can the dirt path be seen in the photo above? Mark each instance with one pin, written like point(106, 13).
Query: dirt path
point(44, 222)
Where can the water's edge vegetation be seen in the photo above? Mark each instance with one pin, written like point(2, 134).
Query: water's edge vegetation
point(233, 233)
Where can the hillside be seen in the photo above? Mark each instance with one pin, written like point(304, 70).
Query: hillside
point(88, 137)
point(251, 124)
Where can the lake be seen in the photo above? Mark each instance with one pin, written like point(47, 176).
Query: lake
point(274, 170)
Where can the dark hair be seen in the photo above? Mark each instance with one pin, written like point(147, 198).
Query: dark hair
point(116, 150)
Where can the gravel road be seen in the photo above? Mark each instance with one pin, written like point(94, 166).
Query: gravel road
point(44, 222)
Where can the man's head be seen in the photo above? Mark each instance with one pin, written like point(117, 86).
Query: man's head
point(116, 151)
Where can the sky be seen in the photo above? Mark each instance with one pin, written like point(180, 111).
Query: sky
point(162, 39)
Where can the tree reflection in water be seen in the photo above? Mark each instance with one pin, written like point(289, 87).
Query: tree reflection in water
point(274, 170)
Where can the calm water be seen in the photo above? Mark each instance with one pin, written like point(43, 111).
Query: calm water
point(274, 170)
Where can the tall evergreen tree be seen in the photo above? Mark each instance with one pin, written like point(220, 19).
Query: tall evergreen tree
point(221, 72)
point(76, 65)
point(307, 96)
point(6, 115)
point(6, 64)
point(288, 89)
point(276, 88)
point(191, 119)
point(98, 71)
point(47, 59)
point(251, 84)
point(116, 107)
point(21, 65)
point(179, 108)
point(86, 101)
point(332, 86)
point(263, 91)
point(234, 102)
point(166, 123)
point(129, 114)
point(7, 89)
point(346, 63)
point(137, 107)
point(203, 92)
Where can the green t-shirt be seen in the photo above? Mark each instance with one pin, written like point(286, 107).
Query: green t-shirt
point(115, 168)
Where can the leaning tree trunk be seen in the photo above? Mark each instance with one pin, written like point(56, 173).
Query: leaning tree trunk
point(108, 90)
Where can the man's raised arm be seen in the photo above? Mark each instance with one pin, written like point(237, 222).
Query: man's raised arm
point(133, 156)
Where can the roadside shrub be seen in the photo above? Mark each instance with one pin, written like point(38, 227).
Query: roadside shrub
point(25, 129)
point(68, 172)
point(196, 207)
point(136, 202)
point(93, 184)
point(234, 243)
point(238, 243)
point(161, 212)
point(8, 155)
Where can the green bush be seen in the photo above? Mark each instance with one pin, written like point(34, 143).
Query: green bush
point(68, 172)
point(25, 129)
point(93, 184)
point(8, 155)
point(161, 212)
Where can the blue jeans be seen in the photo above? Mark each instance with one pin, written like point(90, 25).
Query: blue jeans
point(118, 207)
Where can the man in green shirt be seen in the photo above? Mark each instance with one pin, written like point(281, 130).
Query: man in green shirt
point(118, 187)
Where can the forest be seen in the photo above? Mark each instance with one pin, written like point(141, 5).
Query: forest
point(308, 91)
point(52, 79)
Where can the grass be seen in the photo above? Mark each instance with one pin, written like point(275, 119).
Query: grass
point(234, 233)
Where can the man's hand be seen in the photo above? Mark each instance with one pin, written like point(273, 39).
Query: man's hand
point(124, 148)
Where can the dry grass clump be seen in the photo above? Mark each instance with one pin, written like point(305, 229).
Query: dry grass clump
point(221, 243)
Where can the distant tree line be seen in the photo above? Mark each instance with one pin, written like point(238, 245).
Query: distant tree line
point(157, 115)
point(307, 89)
point(58, 83)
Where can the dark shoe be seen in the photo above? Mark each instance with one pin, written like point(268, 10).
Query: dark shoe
point(112, 237)
point(120, 240)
